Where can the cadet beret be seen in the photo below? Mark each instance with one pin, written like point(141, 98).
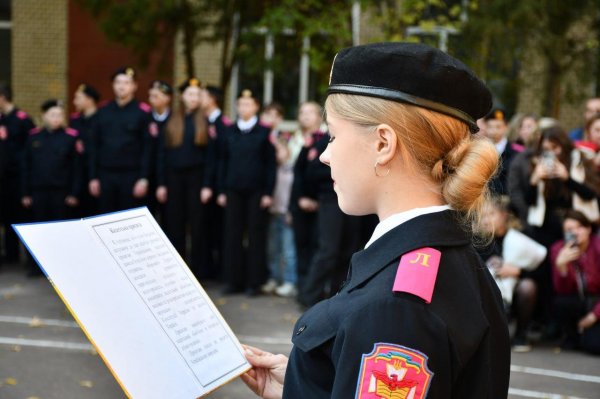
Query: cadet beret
point(162, 86)
point(129, 71)
point(46, 105)
point(214, 91)
point(496, 114)
point(411, 73)
point(189, 82)
point(89, 91)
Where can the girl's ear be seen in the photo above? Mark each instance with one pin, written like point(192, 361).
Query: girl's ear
point(386, 143)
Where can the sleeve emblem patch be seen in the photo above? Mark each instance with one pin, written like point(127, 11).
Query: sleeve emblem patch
point(393, 372)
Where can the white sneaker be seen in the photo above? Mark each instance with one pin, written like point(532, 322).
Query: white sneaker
point(269, 287)
point(287, 290)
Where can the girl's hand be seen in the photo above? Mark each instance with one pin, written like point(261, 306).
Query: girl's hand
point(267, 374)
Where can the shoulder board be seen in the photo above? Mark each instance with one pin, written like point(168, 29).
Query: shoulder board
point(517, 147)
point(417, 272)
point(71, 132)
point(145, 107)
point(22, 115)
point(35, 130)
point(226, 121)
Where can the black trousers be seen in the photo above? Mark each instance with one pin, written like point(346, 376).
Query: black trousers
point(244, 215)
point(184, 211)
point(215, 221)
point(569, 309)
point(306, 240)
point(339, 237)
point(49, 205)
point(116, 193)
point(11, 212)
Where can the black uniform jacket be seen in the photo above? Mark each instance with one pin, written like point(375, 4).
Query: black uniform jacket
point(368, 338)
point(52, 160)
point(14, 130)
point(121, 139)
point(247, 161)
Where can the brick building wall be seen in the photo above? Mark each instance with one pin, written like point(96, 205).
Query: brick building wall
point(39, 52)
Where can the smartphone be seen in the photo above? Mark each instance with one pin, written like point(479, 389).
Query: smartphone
point(570, 239)
point(548, 159)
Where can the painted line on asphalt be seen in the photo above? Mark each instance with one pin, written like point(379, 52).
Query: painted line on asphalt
point(44, 322)
point(555, 373)
point(524, 393)
point(40, 343)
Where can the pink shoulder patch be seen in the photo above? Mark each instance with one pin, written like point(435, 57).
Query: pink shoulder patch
point(393, 371)
point(226, 121)
point(35, 130)
point(3, 133)
point(22, 114)
point(517, 147)
point(417, 272)
point(145, 107)
point(71, 132)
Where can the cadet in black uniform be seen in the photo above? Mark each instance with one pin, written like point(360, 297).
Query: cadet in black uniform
point(121, 150)
point(303, 201)
point(85, 101)
point(52, 166)
point(246, 183)
point(160, 95)
point(420, 316)
point(182, 160)
point(212, 98)
point(15, 125)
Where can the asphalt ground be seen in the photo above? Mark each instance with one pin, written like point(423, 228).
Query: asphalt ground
point(44, 354)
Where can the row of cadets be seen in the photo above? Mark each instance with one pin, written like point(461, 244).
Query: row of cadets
point(246, 179)
point(185, 172)
point(51, 166)
point(85, 101)
point(121, 148)
point(15, 125)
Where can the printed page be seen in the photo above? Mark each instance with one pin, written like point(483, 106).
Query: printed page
point(139, 304)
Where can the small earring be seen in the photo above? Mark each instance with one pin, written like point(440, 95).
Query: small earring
point(378, 175)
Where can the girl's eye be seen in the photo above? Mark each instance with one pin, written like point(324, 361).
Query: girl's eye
point(331, 138)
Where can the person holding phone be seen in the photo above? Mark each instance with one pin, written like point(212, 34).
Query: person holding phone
point(576, 277)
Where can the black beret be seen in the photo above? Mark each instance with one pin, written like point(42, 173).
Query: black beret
point(129, 71)
point(412, 73)
point(214, 91)
point(89, 91)
point(162, 86)
point(189, 82)
point(497, 114)
point(46, 105)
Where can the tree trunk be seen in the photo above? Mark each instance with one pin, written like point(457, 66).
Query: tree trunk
point(188, 41)
point(552, 89)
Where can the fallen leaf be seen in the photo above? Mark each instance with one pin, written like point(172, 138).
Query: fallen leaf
point(244, 306)
point(10, 381)
point(221, 301)
point(36, 322)
point(16, 348)
point(33, 397)
point(86, 383)
point(8, 295)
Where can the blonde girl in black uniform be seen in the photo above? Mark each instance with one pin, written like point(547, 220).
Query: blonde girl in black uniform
point(419, 316)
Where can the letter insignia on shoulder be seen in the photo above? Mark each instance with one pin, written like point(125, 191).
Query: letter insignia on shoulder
point(417, 272)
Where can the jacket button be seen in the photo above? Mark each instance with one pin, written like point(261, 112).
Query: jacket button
point(301, 329)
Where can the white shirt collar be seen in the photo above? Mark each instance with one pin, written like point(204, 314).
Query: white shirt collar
point(161, 117)
point(244, 126)
point(501, 145)
point(214, 115)
point(397, 219)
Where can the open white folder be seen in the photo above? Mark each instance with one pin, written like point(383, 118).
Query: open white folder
point(139, 304)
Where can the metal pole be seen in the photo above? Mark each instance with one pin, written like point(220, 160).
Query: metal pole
point(304, 71)
point(356, 23)
point(268, 75)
